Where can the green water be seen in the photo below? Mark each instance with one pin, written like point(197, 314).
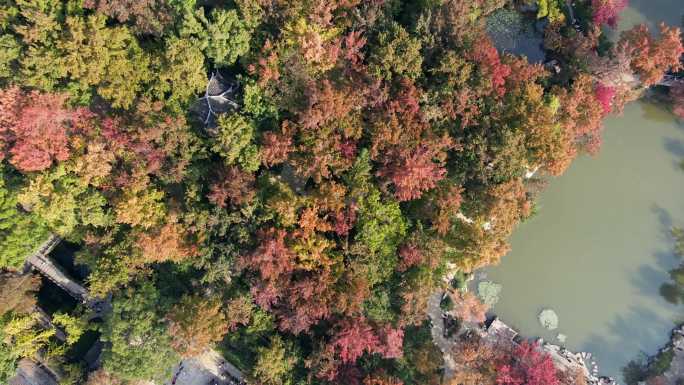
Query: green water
point(652, 12)
point(599, 249)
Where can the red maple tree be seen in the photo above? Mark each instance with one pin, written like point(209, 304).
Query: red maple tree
point(35, 127)
point(607, 11)
point(357, 336)
point(234, 186)
point(416, 170)
point(296, 294)
point(275, 147)
point(605, 94)
point(391, 342)
point(527, 365)
point(410, 256)
point(447, 204)
point(486, 55)
point(167, 243)
point(582, 114)
point(272, 258)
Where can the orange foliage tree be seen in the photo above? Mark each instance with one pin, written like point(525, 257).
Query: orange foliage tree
point(195, 323)
point(651, 57)
point(167, 243)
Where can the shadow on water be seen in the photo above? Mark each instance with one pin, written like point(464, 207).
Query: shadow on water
point(665, 221)
point(632, 331)
point(665, 260)
point(655, 11)
point(654, 111)
point(648, 280)
point(627, 334)
point(641, 327)
point(676, 148)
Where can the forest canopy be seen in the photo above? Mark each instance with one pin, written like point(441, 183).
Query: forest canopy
point(358, 152)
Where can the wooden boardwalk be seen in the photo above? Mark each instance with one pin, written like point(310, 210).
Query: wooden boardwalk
point(41, 261)
point(211, 364)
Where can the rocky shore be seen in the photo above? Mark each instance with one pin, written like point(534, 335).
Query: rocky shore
point(497, 331)
point(671, 355)
point(564, 359)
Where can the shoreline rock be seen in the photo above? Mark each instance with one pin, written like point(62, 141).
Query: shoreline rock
point(674, 349)
point(495, 329)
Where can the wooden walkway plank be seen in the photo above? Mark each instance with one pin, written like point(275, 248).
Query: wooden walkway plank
point(41, 261)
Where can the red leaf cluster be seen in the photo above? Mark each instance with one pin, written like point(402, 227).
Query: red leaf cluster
point(410, 256)
point(327, 103)
point(168, 243)
point(415, 170)
point(275, 147)
point(272, 258)
point(298, 297)
point(392, 341)
point(353, 44)
point(354, 337)
point(267, 64)
point(528, 365)
point(35, 127)
point(411, 155)
point(357, 336)
point(607, 11)
point(147, 142)
point(344, 220)
point(234, 186)
point(605, 94)
point(486, 55)
point(148, 16)
point(328, 127)
point(583, 114)
point(448, 203)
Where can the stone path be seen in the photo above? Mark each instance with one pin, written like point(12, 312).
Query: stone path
point(444, 344)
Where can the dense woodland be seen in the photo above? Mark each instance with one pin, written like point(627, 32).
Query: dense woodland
point(376, 146)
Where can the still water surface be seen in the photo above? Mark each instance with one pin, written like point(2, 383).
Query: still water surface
point(599, 248)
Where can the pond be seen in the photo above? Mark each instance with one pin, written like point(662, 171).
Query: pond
point(518, 34)
point(599, 247)
point(598, 250)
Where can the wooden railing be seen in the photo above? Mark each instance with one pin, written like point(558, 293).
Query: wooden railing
point(41, 261)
